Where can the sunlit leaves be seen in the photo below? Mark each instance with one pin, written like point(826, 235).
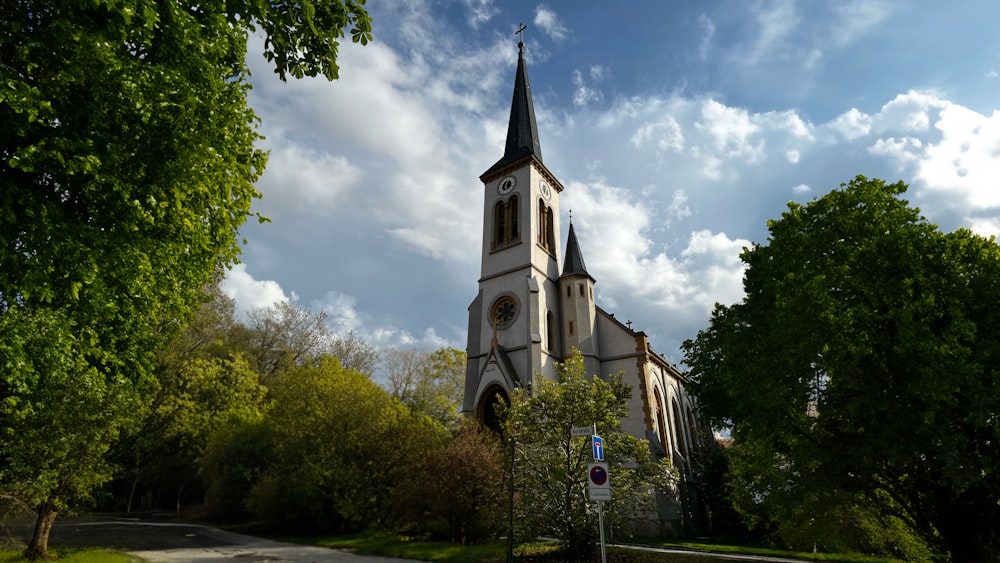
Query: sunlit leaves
point(551, 465)
point(866, 339)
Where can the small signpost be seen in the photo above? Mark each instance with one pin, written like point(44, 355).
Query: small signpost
point(598, 477)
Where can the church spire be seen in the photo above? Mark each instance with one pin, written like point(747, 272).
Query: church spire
point(573, 264)
point(522, 132)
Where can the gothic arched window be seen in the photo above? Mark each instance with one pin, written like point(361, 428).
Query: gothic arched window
point(505, 224)
point(661, 421)
point(546, 227)
point(499, 223)
point(513, 234)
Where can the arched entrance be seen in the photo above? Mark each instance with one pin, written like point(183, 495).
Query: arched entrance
point(493, 399)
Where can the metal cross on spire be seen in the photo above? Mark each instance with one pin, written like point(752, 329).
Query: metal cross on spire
point(520, 33)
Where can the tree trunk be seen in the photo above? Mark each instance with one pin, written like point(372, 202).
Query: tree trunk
point(39, 546)
point(131, 492)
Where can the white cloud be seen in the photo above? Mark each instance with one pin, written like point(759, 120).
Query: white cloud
point(907, 149)
point(708, 28)
point(854, 19)
point(908, 113)
point(480, 11)
point(547, 19)
point(776, 21)
point(302, 180)
point(801, 189)
point(250, 293)
point(963, 167)
point(851, 124)
point(731, 131)
point(614, 228)
point(665, 134)
point(583, 94)
point(678, 207)
point(343, 316)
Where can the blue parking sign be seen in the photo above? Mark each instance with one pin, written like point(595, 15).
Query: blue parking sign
point(598, 443)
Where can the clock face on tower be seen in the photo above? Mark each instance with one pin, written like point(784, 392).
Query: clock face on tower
point(506, 185)
point(546, 190)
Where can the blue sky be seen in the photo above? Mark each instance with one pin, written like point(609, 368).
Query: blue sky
point(678, 129)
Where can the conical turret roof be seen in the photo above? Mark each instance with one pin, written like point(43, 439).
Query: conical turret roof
point(573, 264)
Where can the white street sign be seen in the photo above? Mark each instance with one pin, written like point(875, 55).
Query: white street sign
point(581, 430)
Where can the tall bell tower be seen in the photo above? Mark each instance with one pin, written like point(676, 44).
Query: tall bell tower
point(514, 328)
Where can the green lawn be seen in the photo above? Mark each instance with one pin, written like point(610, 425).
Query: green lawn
point(91, 555)
point(391, 545)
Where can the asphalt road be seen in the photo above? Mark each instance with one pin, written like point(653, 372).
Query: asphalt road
point(162, 542)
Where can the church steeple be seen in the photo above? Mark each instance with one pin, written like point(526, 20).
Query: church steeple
point(573, 263)
point(522, 132)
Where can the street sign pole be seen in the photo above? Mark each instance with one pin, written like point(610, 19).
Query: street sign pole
point(597, 478)
point(600, 523)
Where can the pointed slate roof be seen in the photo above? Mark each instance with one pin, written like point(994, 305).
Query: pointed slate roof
point(522, 132)
point(573, 263)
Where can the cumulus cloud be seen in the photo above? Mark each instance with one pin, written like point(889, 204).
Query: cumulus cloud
point(851, 125)
point(302, 180)
point(343, 316)
point(250, 293)
point(380, 170)
point(665, 135)
point(641, 281)
point(730, 131)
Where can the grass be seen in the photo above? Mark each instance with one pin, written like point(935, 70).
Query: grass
point(89, 555)
point(768, 552)
point(391, 545)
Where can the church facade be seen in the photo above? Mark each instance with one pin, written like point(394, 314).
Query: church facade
point(536, 303)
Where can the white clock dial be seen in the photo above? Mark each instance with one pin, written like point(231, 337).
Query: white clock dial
point(545, 189)
point(506, 185)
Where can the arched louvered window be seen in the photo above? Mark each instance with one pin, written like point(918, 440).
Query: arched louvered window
point(513, 234)
point(499, 223)
point(505, 223)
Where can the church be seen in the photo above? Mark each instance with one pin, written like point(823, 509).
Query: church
point(536, 303)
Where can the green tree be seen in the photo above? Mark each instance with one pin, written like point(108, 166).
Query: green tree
point(201, 381)
point(127, 163)
point(551, 466)
point(437, 392)
point(340, 445)
point(864, 361)
point(458, 491)
point(59, 416)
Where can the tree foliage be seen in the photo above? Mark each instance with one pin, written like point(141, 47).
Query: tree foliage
point(864, 360)
point(59, 416)
point(428, 383)
point(127, 165)
point(339, 445)
point(551, 466)
point(458, 491)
